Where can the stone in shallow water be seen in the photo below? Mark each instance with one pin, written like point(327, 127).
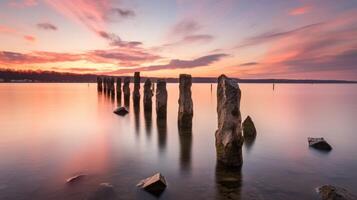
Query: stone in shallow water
point(329, 192)
point(121, 111)
point(155, 184)
point(105, 191)
point(249, 130)
point(75, 178)
point(319, 143)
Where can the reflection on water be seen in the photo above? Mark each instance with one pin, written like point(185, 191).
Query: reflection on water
point(148, 120)
point(50, 132)
point(228, 182)
point(185, 137)
point(161, 123)
point(248, 143)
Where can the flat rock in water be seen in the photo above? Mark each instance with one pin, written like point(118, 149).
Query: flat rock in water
point(329, 192)
point(75, 178)
point(154, 184)
point(105, 191)
point(121, 111)
point(319, 143)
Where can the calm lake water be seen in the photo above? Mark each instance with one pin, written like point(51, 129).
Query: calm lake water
point(50, 132)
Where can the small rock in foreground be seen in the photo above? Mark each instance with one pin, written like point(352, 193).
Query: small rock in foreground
point(154, 184)
point(319, 143)
point(121, 111)
point(329, 192)
point(249, 128)
point(75, 178)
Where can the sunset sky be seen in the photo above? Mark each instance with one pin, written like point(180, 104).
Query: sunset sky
point(241, 38)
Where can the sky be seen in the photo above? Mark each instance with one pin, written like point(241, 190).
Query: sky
point(299, 39)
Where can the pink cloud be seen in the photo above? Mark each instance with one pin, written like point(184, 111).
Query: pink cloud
point(6, 29)
point(29, 38)
point(300, 10)
point(321, 49)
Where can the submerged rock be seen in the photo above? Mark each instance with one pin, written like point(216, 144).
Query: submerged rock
point(105, 191)
point(154, 184)
point(229, 139)
point(249, 130)
point(329, 192)
point(121, 111)
point(185, 112)
point(319, 143)
point(75, 178)
point(161, 98)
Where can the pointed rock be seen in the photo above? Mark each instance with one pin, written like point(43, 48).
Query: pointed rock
point(229, 137)
point(154, 184)
point(249, 130)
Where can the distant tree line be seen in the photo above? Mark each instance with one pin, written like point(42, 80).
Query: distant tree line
point(8, 75)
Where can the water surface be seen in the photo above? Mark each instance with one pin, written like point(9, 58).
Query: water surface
point(50, 132)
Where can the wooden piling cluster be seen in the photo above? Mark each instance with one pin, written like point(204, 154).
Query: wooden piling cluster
point(229, 138)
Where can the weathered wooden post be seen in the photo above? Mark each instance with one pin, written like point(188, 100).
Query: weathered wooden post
point(126, 91)
point(229, 139)
point(99, 84)
point(105, 84)
point(136, 92)
point(161, 98)
point(185, 112)
point(148, 95)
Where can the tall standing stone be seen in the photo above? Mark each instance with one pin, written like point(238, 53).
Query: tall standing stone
point(185, 112)
point(147, 95)
point(136, 92)
point(126, 91)
point(161, 98)
point(229, 139)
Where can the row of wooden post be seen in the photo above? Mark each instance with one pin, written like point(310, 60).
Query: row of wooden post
point(229, 139)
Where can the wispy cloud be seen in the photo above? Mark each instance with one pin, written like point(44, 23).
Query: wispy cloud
point(17, 33)
point(92, 13)
point(248, 64)
point(46, 26)
point(176, 64)
point(185, 27)
point(8, 57)
point(119, 56)
point(275, 35)
point(300, 10)
point(115, 40)
point(124, 12)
